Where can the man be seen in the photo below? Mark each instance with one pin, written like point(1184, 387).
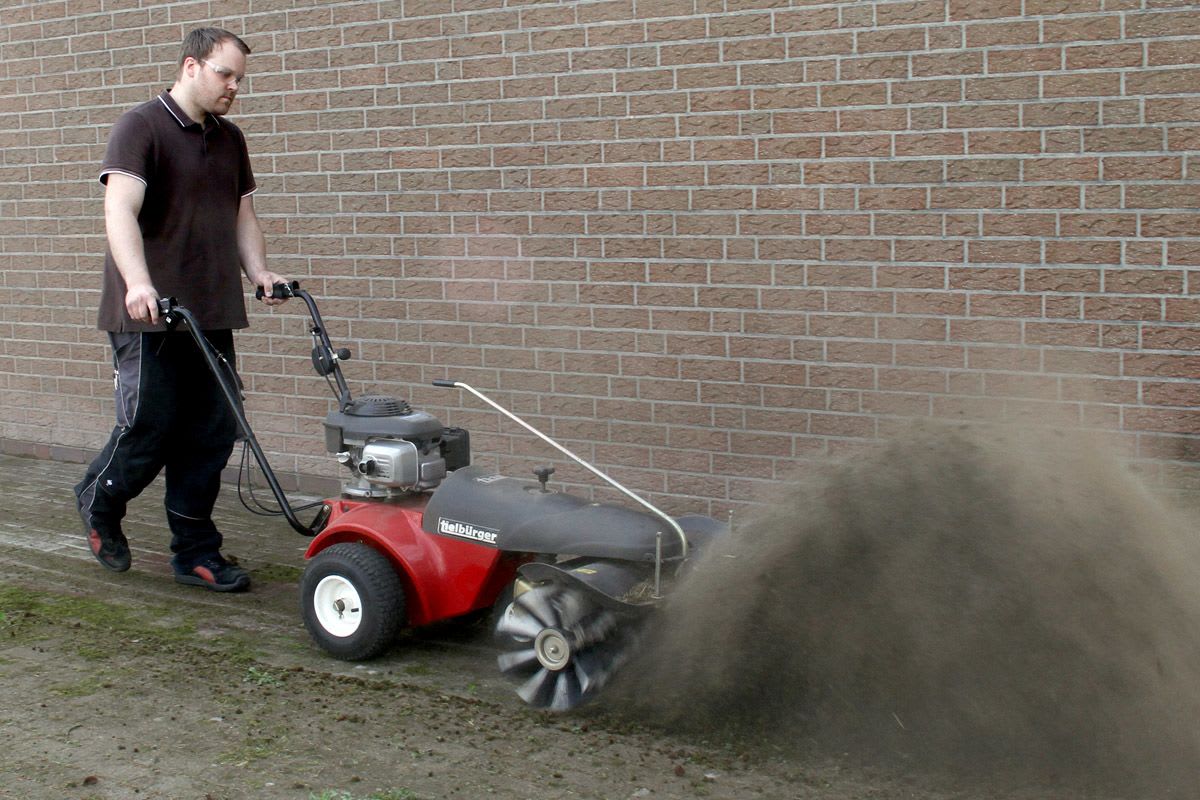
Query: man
point(180, 221)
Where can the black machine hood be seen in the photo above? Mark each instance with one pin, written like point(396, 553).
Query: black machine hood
point(514, 515)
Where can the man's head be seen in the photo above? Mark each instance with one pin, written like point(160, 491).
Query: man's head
point(212, 68)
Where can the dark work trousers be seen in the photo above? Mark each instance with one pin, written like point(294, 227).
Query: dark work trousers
point(171, 415)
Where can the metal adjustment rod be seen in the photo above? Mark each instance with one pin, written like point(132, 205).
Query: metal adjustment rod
point(683, 543)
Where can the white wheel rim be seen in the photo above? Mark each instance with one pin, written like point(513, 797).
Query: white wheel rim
point(338, 606)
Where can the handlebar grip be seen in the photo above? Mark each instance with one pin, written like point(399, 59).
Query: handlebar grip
point(165, 304)
point(279, 291)
point(445, 383)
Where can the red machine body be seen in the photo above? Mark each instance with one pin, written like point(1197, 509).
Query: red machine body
point(420, 535)
point(443, 577)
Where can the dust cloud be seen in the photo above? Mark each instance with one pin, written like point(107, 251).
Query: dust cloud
point(963, 598)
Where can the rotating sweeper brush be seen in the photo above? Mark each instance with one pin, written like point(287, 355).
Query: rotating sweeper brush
point(563, 646)
point(418, 534)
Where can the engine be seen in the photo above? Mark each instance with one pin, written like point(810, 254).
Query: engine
point(392, 449)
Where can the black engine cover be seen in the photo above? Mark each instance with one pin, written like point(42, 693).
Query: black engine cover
point(475, 504)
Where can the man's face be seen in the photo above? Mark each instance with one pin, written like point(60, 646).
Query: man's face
point(218, 77)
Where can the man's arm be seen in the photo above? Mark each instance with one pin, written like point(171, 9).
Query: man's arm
point(123, 197)
point(252, 247)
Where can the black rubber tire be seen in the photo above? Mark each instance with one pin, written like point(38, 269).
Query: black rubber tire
point(379, 590)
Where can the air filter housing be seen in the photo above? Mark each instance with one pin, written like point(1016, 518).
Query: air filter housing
point(380, 417)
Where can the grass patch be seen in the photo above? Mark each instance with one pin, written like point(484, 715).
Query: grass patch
point(100, 630)
point(82, 688)
point(239, 649)
point(277, 573)
point(256, 749)
point(93, 652)
point(25, 610)
point(261, 677)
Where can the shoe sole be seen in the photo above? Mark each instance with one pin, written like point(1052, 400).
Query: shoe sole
point(110, 566)
point(192, 580)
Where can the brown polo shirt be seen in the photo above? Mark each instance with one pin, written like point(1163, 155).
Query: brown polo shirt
point(196, 176)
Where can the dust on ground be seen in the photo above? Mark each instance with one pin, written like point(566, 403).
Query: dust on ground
point(964, 600)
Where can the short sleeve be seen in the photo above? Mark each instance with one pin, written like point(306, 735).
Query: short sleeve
point(246, 184)
point(130, 146)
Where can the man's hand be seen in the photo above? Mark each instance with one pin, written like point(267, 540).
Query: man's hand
point(141, 301)
point(267, 280)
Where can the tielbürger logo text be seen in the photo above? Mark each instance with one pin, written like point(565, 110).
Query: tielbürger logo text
point(465, 530)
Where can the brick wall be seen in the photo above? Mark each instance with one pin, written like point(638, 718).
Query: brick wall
point(700, 240)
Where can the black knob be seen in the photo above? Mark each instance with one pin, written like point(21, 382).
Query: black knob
point(543, 474)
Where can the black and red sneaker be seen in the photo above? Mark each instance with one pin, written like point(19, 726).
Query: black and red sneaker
point(108, 544)
point(110, 548)
point(217, 574)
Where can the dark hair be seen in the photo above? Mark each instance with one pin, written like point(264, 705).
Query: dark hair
point(200, 43)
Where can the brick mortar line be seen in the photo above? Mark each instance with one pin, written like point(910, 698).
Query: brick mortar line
point(634, 71)
point(1022, 158)
point(514, 55)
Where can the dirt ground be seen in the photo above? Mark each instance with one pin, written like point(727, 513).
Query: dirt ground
point(131, 686)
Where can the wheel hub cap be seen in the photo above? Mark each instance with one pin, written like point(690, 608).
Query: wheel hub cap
point(337, 605)
point(552, 648)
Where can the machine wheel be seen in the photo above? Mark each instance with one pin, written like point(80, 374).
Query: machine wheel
point(561, 645)
point(351, 601)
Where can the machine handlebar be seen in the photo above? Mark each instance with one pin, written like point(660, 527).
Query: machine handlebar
point(279, 291)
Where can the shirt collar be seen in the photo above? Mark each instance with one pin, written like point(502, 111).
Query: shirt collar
point(180, 115)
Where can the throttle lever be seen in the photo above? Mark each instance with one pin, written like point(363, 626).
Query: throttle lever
point(166, 305)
